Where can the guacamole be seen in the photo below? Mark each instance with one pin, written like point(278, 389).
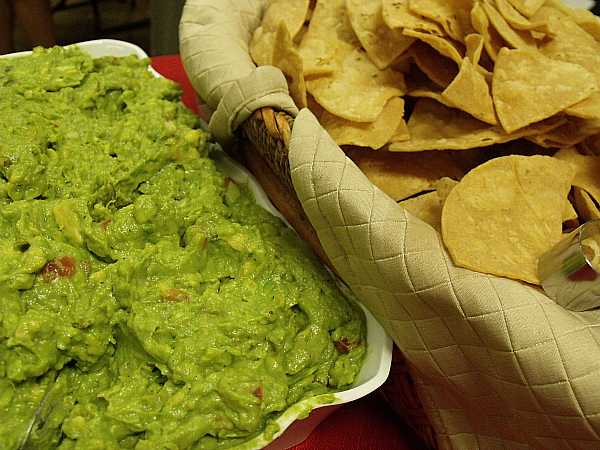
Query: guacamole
point(146, 300)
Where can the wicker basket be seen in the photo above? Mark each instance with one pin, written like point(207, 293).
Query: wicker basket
point(263, 146)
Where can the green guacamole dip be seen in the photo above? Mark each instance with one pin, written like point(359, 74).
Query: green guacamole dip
point(148, 293)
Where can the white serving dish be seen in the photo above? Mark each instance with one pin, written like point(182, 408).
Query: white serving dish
point(379, 345)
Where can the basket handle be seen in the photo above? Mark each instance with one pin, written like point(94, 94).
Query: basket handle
point(264, 146)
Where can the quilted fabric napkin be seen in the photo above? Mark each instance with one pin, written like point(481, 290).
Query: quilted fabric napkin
point(497, 364)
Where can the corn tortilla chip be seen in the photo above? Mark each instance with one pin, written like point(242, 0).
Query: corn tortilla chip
point(470, 92)
point(587, 175)
point(453, 16)
point(527, 7)
point(492, 41)
point(443, 45)
point(426, 207)
point(439, 69)
point(433, 126)
point(287, 58)
point(586, 207)
point(291, 12)
point(515, 38)
point(528, 87)
point(371, 88)
point(402, 175)
point(366, 134)
point(518, 21)
point(382, 43)
point(505, 213)
point(397, 14)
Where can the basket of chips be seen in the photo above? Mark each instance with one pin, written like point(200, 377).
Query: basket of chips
point(434, 151)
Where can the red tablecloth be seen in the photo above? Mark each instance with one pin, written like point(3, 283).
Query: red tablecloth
point(365, 424)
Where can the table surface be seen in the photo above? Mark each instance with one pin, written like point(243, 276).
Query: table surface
point(365, 424)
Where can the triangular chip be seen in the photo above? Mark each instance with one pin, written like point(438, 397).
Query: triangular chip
point(366, 134)
point(470, 92)
point(492, 41)
point(505, 213)
point(515, 38)
point(358, 90)
point(527, 7)
point(528, 87)
point(453, 15)
point(287, 58)
point(587, 176)
point(426, 207)
point(433, 126)
point(397, 14)
point(402, 175)
point(291, 12)
point(382, 43)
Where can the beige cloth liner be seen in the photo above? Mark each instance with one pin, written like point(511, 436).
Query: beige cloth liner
point(497, 364)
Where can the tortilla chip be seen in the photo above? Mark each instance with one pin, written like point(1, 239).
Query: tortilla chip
point(572, 132)
point(397, 14)
point(330, 19)
point(439, 69)
point(287, 58)
point(586, 207)
point(528, 87)
point(453, 16)
point(492, 41)
point(587, 175)
point(382, 43)
point(426, 207)
point(370, 87)
point(516, 20)
point(433, 126)
point(505, 213)
point(443, 45)
point(318, 55)
point(515, 38)
point(470, 92)
point(291, 12)
point(527, 7)
point(567, 36)
point(366, 134)
point(402, 175)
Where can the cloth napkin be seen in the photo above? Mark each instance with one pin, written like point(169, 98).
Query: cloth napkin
point(496, 363)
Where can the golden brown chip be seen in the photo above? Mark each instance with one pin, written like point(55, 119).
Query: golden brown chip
point(586, 207)
point(382, 43)
point(287, 58)
point(433, 126)
point(291, 12)
point(470, 92)
point(528, 87)
point(516, 20)
point(492, 41)
point(330, 19)
point(572, 132)
point(402, 175)
point(318, 55)
point(584, 18)
point(358, 90)
point(453, 15)
point(443, 45)
point(505, 213)
point(515, 38)
point(587, 176)
point(426, 207)
point(527, 7)
point(366, 134)
point(439, 69)
point(397, 14)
